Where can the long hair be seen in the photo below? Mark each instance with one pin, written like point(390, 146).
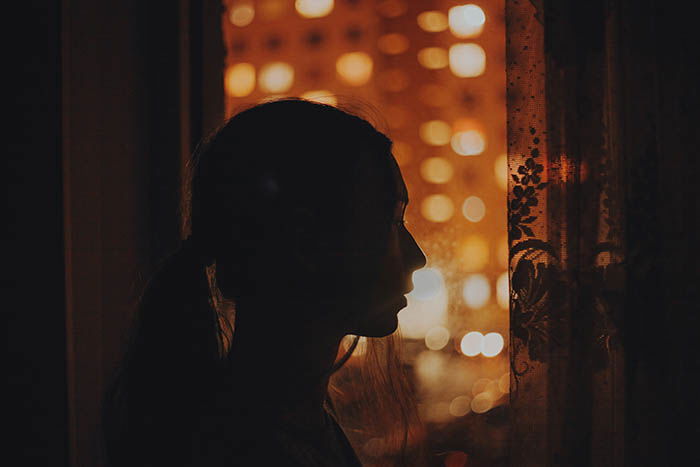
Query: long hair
point(163, 400)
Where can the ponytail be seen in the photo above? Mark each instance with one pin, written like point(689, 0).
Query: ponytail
point(171, 364)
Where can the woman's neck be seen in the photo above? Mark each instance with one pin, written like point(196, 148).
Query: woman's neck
point(282, 369)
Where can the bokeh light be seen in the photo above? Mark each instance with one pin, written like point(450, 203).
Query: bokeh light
point(354, 68)
point(322, 96)
point(239, 79)
point(435, 132)
point(276, 77)
point(437, 338)
point(427, 283)
point(466, 20)
point(432, 21)
point(427, 304)
point(471, 343)
point(473, 253)
point(467, 60)
point(433, 58)
point(460, 406)
point(242, 14)
point(314, 8)
point(393, 43)
point(502, 291)
point(492, 390)
point(436, 170)
point(492, 344)
point(437, 208)
point(476, 290)
point(468, 143)
point(473, 209)
point(481, 403)
point(480, 385)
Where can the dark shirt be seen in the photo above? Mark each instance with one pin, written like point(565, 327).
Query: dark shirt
point(293, 446)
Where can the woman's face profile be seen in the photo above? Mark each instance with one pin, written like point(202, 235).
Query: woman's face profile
point(397, 256)
point(356, 272)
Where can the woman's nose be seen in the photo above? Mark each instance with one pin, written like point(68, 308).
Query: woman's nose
point(415, 257)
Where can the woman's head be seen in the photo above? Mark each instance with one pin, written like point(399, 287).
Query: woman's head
point(300, 205)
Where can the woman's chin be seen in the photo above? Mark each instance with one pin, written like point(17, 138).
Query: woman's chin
point(380, 327)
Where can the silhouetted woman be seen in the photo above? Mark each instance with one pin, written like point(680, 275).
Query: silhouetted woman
point(297, 240)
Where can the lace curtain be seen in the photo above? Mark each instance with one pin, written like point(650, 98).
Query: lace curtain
point(601, 216)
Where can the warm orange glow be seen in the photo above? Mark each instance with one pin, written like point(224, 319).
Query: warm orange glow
point(430, 366)
point(504, 383)
point(276, 77)
point(322, 96)
point(361, 347)
point(460, 406)
point(492, 390)
point(271, 9)
point(432, 21)
point(436, 338)
point(241, 14)
point(502, 292)
point(402, 152)
point(466, 20)
point(503, 251)
point(500, 171)
point(314, 8)
point(476, 290)
point(437, 412)
point(492, 344)
point(436, 170)
point(393, 80)
point(391, 8)
point(481, 403)
point(480, 385)
point(270, 98)
point(433, 58)
point(467, 60)
point(392, 44)
point(473, 209)
point(397, 115)
point(434, 95)
point(471, 343)
point(435, 132)
point(437, 208)
point(354, 68)
point(239, 79)
point(473, 253)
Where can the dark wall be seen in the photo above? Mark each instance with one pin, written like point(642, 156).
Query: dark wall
point(33, 311)
point(106, 101)
point(660, 112)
